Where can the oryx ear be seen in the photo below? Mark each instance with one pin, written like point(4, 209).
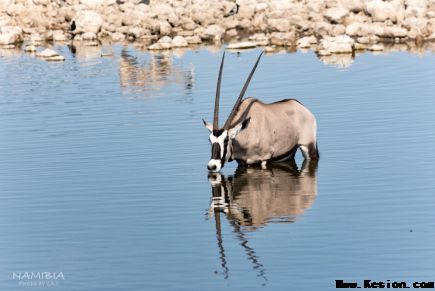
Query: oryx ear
point(208, 125)
point(238, 127)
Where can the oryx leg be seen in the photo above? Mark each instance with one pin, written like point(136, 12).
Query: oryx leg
point(309, 151)
point(263, 165)
point(309, 167)
point(241, 164)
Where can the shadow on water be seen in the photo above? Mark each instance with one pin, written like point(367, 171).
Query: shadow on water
point(254, 197)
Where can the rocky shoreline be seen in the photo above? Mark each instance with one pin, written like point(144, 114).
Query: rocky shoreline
point(326, 26)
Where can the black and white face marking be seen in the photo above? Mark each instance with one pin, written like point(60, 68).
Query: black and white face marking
point(221, 144)
point(220, 150)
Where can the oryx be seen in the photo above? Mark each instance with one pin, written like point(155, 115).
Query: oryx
point(256, 132)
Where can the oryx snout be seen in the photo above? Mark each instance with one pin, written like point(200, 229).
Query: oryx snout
point(214, 165)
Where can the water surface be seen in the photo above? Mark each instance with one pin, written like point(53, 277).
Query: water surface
point(103, 173)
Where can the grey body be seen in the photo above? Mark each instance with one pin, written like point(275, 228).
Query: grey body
point(274, 131)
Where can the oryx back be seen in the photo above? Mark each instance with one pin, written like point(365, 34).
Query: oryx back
point(275, 131)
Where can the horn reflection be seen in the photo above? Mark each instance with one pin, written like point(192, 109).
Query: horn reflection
point(254, 197)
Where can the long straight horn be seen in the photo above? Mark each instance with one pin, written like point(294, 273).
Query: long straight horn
point(218, 93)
point(242, 93)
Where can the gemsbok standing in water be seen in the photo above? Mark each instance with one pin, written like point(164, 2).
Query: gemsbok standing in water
point(259, 133)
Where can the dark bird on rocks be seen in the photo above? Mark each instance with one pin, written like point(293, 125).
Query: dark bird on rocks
point(233, 11)
point(72, 27)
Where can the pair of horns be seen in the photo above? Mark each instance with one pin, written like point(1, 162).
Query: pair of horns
point(239, 100)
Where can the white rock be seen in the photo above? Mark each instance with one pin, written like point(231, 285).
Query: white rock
point(315, 6)
point(416, 23)
point(352, 5)
point(282, 38)
point(179, 41)
point(431, 37)
point(337, 44)
point(15, 9)
point(365, 29)
point(376, 28)
point(35, 38)
point(282, 25)
point(262, 42)
point(418, 8)
point(78, 37)
point(5, 3)
point(188, 24)
point(360, 46)
point(165, 39)
point(381, 11)
point(117, 36)
point(10, 35)
point(242, 45)
point(50, 55)
point(337, 30)
point(394, 31)
point(165, 28)
point(213, 32)
point(306, 41)
point(368, 39)
point(231, 33)
point(30, 48)
point(41, 2)
point(161, 9)
point(260, 39)
point(323, 52)
point(336, 15)
point(282, 5)
point(270, 49)
point(185, 33)
point(88, 21)
point(160, 46)
point(376, 47)
point(193, 39)
point(245, 11)
point(58, 35)
point(260, 7)
point(93, 3)
point(89, 36)
point(4, 20)
point(136, 32)
point(356, 29)
point(47, 53)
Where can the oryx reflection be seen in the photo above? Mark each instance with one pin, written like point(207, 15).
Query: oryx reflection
point(254, 197)
point(147, 76)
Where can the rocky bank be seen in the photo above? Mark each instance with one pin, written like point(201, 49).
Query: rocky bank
point(327, 26)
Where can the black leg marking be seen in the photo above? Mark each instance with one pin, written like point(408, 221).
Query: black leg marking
point(313, 151)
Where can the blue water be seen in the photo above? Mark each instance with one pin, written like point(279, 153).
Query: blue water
point(103, 173)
